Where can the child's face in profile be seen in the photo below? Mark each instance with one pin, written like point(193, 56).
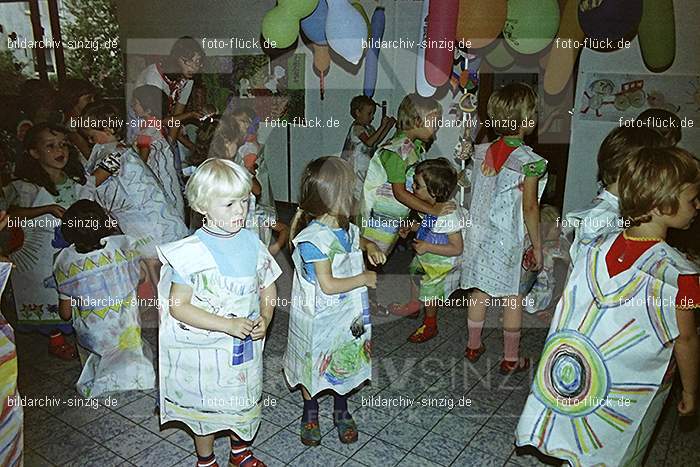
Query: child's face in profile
point(95, 136)
point(227, 214)
point(51, 150)
point(138, 108)
point(688, 205)
point(420, 190)
point(424, 130)
point(365, 115)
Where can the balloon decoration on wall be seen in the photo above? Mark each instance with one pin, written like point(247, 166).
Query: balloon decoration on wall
point(606, 23)
point(480, 22)
point(314, 25)
point(299, 8)
point(372, 57)
point(531, 26)
point(280, 25)
point(442, 27)
point(657, 35)
point(362, 11)
point(423, 88)
point(562, 60)
point(346, 29)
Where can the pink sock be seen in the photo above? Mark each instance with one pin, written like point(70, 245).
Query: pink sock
point(475, 328)
point(511, 345)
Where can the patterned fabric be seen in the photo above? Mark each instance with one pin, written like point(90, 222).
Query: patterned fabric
point(496, 240)
point(101, 286)
point(439, 275)
point(33, 285)
point(207, 380)
point(11, 417)
point(136, 199)
point(329, 343)
point(602, 217)
point(358, 154)
point(598, 389)
point(161, 160)
point(382, 214)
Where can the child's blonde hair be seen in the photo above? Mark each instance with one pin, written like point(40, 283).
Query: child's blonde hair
point(620, 144)
point(415, 108)
point(654, 179)
point(326, 188)
point(511, 106)
point(216, 178)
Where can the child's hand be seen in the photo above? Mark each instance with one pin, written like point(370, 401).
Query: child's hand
point(687, 404)
point(421, 247)
point(55, 210)
point(240, 327)
point(442, 209)
point(370, 279)
point(259, 328)
point(388, 121)
point(374, 255)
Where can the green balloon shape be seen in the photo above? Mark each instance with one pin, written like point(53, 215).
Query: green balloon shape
point(280, 26)
point(531, 26)
point(299, 8)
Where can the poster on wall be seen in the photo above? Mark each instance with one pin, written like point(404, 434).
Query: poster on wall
point(608, 97)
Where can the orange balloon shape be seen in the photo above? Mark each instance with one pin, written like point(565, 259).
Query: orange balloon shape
point(564, 51)
point(322, 58)
point(480, 21)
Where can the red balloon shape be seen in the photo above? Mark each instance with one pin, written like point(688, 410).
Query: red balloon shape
point(439, 50)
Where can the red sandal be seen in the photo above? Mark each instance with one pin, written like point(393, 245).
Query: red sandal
point(423, 334)
point(410, 309)
point(511, 368)
point(245, 459)
point(473, 355)
point(58, 347)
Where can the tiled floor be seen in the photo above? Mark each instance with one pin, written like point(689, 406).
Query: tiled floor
point(124, 430)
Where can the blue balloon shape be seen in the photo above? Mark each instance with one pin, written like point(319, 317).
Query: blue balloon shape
point(372, 58)
point(314, 25)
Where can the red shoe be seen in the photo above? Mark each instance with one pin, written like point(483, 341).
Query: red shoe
point(58, 347)
point(410, 309)
point(511, 368)
point(423, 334)
point(473, 355)
point(245, 459)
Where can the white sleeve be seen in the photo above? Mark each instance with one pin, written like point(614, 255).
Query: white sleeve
point(186, 92)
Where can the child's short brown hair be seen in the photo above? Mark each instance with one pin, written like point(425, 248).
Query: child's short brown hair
point(655, 179)
point(666, 123)
point(104, 116)
point(511, 106)
point(617, 147)
point(439, 176)
point(358, 103)
point(415, 108)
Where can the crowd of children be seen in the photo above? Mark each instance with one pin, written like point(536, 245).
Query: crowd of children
point(101, 220)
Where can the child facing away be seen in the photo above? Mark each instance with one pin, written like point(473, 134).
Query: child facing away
point(133, 196)
point(73, 96)
point(363, 139)
point(329, 343)
point(665, 122)
point(217, 297)
point(97, 277)
point(508, 180)
point(602, 216)
point(49, 179)
point(438, 245)
point(387, 199)
point(626, 312)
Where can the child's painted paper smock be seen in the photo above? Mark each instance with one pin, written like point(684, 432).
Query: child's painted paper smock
point(210, 380)
point(136, 199)
point(33, 285)
point(101, 286)
point(11, 417)
point(598, 390)
point(602, 217)
point(358, 154)
point(382, 213)
point(439, 274)
point(162, 161)
point(496, 239)
point(322, 351)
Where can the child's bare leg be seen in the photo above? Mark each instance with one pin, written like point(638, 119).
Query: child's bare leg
point(204, 445)
point(410, 308)
point(153, 271)
point(512, 322)
point(476, 315)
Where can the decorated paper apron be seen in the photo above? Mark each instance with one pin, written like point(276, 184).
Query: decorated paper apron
point(598, 389)
point(11, 432)
point(262, 214)
point(439, 275)
point(329, 343)
point(382, 213)
point(209, 380)
point(602, 218)
point(33, 285)
point(162, 161)
point(102, 289)
point(135, 198)
point(496, 241)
